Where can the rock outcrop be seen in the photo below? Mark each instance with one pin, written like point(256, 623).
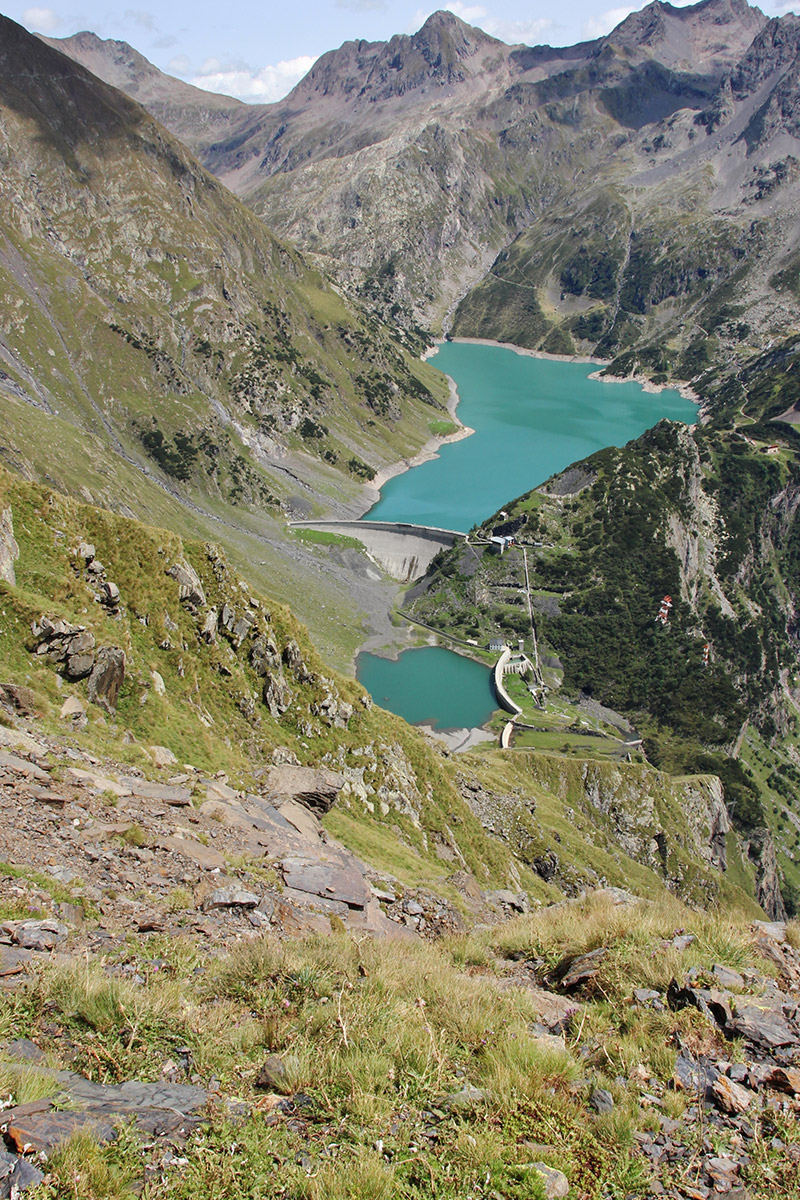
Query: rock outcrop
point(107, 677)
point(9, 550)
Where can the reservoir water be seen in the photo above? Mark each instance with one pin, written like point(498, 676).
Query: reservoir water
point(430, 686)
point(532, 417)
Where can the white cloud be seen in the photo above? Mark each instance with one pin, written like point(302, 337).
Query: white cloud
point(179, 65)
point(265, 85)
point(471, 13)
point(43, 20)
point(599, 26)
point(526, 33)
point(141, 17)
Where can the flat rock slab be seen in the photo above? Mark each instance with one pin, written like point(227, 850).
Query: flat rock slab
point(331, 878)
point(162, 793)
point(13, 961)
point(767, 1029)
point(131, 1096)
point(47, 795)
point(205, 856)
point(21, 766)
point(42, 1132)
point(300, 819)
point(97, 782)
point(158, 1109)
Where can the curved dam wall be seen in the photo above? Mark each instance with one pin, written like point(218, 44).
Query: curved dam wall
point(502, 695)
point(404, 551)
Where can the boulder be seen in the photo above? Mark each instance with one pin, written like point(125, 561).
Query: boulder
point(9, 550)
point(162, 756)
point(263, 655)
point(110, 595)
point(38, 935)
point(315, 787)
point(191, 589)
point(275, 1072)
point(277, 694)
point(72, 708)
point(765, 1028)
point(242, 628)
point(107, 678)
point(61, 641)
point(209, 631)
point(79, 666)
point(723, 1172)
point(17, 698)
point(729, 1096)
point(572, 972)
point(726, 977)
point(785, 1079)
point(13, 962)
point(555, 1182)
point(17, 1175)
point(602, 1101)
point(294, 661)
point(467, 1098)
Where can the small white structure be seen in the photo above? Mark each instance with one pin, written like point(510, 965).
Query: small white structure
point(502, 542)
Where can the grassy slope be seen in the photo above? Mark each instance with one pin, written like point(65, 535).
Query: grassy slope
point(375, 1037)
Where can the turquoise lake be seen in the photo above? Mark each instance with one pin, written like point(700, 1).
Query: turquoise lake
point(430, 686)
point(532, 417)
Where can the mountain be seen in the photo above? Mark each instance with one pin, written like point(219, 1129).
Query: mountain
point(221, 861)
point(529, 194)
point(190, 113)
point(168, 341)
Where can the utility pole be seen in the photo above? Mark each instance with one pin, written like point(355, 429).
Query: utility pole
point(537, 668)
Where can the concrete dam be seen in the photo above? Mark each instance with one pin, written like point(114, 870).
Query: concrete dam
point(402, 550)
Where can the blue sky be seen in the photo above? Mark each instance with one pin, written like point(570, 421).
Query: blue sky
point(258, 51)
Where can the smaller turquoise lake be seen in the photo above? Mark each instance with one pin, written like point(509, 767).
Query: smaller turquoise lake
point(532, 417)
point(430, 686)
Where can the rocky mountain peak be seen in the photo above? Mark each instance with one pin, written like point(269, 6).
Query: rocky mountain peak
point(711, 34)
point(445, 51)
point(115, 62)
point(192, 114)
point(444, 32)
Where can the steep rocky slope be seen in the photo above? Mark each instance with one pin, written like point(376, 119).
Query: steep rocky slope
point(158, 344)
point(143, 301)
